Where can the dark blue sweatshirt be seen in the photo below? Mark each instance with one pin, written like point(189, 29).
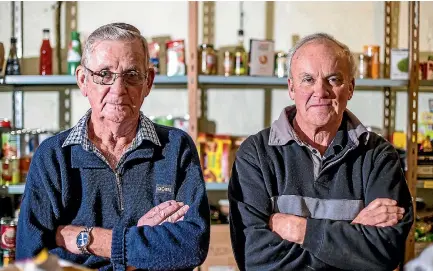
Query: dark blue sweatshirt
point(68, 185)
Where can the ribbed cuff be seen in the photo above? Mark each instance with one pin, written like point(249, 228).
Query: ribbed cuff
point(118, 244)
point(314, 235)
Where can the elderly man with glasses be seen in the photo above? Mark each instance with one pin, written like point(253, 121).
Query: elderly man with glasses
point(116, 191)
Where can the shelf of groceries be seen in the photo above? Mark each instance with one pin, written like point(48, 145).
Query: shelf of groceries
point(207, 81)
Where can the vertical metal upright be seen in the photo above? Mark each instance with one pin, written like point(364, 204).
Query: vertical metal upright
point(412, 120)
point(65, 102)
point(193, 68)
point(392, 12)
point(269, 32)
point(208, 37)
point(17, 94)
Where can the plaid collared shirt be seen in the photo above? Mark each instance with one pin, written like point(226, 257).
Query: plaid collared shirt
point(79, 135)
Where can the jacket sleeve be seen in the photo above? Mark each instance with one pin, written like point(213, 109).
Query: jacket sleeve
point(367, 247)
point(39, 210)
point(180, 245)
point(255, 246)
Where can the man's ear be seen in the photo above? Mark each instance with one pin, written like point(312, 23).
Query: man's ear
point(351, 88)
point(290, 87)
point(149, 81)
point(80, 76)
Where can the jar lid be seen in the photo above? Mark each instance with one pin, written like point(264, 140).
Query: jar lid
point(5, 123)
point(206, 45)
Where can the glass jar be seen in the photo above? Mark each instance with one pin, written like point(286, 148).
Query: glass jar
point(207, 60)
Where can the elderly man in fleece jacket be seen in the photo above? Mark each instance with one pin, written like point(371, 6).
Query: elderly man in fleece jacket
point(116, 191)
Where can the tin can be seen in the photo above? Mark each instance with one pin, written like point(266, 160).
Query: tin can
point(373, 52)
point(281, 64)
point(228, 64)
point(8, 257)
point(429, 68)
point(154, 50)
point(8, 230)
point(175, 57)
point(422, 75)
point(363, 69)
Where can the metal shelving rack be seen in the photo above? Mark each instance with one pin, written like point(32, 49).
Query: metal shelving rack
point(198, 84)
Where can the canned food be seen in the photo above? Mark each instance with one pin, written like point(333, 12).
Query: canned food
point(281, 64)
point(207, 59)
point(8, 229)
point(8, 257)
point(175, 57)
point(154, 56)
point(228, 63)
point(10, 171)
point(363, 66)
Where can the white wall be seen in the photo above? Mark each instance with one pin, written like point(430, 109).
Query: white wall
point(354, 23)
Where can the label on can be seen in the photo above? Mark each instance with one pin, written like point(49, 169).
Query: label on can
point(8, 233)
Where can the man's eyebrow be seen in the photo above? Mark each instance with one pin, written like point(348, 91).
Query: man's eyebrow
point(339, 74)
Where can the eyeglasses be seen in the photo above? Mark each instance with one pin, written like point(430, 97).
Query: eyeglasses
point(106, 77)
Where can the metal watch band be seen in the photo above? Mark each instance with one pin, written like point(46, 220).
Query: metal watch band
point(84, 250)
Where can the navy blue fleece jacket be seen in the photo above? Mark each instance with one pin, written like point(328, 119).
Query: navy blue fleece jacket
point(68, 185)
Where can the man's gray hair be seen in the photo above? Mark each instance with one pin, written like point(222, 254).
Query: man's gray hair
point(321, 37)
point(114, 31)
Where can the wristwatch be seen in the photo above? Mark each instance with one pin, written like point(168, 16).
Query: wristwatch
point(84, 239)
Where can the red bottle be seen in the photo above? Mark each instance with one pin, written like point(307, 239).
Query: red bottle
point(46, 55)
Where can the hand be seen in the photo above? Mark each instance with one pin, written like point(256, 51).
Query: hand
point(380, 213)
point(66, 237)
point(289, 227)
point(169, 211)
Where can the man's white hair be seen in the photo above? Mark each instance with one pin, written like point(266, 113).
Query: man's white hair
point(114, 31)
point(321, 37)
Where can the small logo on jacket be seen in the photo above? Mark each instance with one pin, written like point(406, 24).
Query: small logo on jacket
point(160, 188)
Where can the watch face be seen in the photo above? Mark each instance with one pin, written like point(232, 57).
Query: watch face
point(82, 239)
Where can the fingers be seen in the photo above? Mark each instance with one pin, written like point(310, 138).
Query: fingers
point(179, 214)
point(388, 223)
point(159, 207)
point(386, 209)
point(385, 217)
point(379, 202)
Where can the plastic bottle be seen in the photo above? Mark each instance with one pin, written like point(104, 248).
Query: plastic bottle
point(13, 63)
point(74, 53)
point(46, 55)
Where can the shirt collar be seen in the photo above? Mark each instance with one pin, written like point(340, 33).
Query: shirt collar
point(282, 132)
point(79, 135)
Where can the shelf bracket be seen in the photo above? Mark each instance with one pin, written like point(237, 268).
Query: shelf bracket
point(269, 28)
point(65, 102)
point(392, 14)
point(192, 69)
point(17, 94)
point(412, 124)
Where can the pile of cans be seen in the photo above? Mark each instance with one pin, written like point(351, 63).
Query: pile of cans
point(8, 230)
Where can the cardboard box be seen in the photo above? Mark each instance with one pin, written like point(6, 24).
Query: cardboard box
point(399, 64)
point(262, 58)
point(220, 256)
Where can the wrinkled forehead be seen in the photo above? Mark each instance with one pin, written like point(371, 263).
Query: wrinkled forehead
point(105, 51)
point(322, 53)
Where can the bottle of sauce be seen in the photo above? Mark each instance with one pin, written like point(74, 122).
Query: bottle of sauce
point(46, 55)
point(74, 53)
point(240, 56)
point(13, 63)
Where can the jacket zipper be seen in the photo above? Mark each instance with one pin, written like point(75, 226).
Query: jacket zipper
point(334, 162)
point(119, 189)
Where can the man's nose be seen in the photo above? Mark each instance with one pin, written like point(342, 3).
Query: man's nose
point(321, 88)
point(119, 85)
